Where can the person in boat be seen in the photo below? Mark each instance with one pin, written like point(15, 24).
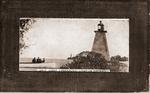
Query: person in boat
point(39, 60)
point(34, 60)
point(43, 60)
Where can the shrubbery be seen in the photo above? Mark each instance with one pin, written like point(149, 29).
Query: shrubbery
point(92, 60)
point(87, 60)
point(118, 58)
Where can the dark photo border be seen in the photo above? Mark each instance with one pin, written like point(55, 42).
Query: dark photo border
point(11, 79)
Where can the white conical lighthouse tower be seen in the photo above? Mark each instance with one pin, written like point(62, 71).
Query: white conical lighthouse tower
point(100, 42)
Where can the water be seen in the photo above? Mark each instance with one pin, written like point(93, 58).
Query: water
point(53, 64)
point(27, 65)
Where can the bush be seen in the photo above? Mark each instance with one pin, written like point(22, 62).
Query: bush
point(118, 58)
point(87, 60)
point(92, 60)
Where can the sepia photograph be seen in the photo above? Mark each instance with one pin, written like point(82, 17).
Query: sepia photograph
point(74, 44)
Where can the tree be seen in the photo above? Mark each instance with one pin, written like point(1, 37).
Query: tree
point(87, 60)
point(24, 25)
point(92, 60)
point(118, 58)
point(124, 58)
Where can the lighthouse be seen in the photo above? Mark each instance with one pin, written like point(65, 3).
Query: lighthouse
point(100, 41)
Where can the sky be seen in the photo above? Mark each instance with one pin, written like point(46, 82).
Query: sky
point(61, 37)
